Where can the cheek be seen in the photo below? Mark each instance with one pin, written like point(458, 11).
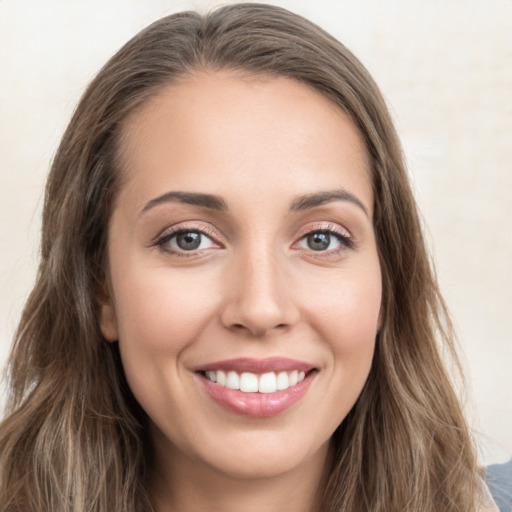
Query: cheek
point(346, 315)
point(348, 322)
point(160, 314)
point(348, 309)
point(161, 311)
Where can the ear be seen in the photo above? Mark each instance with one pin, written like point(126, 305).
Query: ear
point(106, 311)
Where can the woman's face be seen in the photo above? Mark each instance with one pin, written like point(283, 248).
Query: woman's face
point(242, 255)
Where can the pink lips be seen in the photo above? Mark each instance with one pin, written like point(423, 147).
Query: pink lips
point(257, 404)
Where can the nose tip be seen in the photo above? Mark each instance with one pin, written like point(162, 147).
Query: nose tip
point(259, 302)
point(253, 320)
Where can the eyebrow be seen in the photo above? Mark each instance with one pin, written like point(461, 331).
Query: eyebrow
point(210, 201)
point(213, 202)
point(320, 198)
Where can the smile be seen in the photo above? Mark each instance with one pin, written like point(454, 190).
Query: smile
point(248, 382)
point(260, 388)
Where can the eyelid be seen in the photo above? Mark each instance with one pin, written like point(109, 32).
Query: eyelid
point(343, 234)
point(329, 227)
point(167, 234)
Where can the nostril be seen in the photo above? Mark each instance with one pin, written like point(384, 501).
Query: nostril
point(256, 330)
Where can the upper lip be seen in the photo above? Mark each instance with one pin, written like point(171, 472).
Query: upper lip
point(273, 364)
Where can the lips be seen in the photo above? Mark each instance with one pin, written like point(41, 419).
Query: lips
point(274, 364)
point(259, 388)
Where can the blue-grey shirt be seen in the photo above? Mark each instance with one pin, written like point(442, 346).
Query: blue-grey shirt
point(499, 480)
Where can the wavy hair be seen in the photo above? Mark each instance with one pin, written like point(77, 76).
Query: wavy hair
point(74, 437)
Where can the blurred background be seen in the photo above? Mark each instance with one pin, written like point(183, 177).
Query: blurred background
point(445, 68)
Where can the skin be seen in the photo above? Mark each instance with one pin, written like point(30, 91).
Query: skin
point(254, 288)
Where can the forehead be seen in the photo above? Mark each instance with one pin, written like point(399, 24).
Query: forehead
point(192, 131)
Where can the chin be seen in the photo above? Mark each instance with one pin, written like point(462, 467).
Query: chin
point(267, 457)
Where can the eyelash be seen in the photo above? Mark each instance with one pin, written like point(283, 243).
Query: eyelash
point(163, 241)
point(346, 242)
point(343, 237)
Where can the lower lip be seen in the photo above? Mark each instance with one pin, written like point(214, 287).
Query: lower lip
point(260, 405)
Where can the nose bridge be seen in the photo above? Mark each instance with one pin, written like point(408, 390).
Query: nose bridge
point(260, 299)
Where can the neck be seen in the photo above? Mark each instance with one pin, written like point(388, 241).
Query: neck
point(179, 484)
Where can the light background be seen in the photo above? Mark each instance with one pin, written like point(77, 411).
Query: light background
point(445, 67)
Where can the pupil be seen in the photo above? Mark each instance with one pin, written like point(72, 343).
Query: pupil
point(318, 241)
point(188, 241)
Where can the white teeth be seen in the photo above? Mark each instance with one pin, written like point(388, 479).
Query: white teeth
point(232, 380)
point(268, 383)
point(283, 382)
point(249, 382)
point(220, 378)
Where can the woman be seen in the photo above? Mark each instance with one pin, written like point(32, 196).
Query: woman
point(235, 309)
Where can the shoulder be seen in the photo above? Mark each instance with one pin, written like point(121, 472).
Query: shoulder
point(487, 504)
point(499, 480)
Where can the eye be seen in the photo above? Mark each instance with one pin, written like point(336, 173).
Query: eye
point(320, 241)
point(325, 240)
point(186, 240)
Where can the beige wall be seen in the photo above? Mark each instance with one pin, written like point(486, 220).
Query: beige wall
point(445, 68)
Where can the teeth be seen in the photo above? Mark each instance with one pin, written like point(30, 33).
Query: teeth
point(232, 380)
point(283, 382)
point(248, 383)
point(251, 383)
point(220, 378)
point(268, 383)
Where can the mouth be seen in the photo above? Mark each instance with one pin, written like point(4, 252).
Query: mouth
point(260, 388)
point(248, 382)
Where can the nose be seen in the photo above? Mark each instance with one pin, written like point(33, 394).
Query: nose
point(260, 297)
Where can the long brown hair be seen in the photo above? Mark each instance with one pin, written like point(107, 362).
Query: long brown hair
point(74, 438)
